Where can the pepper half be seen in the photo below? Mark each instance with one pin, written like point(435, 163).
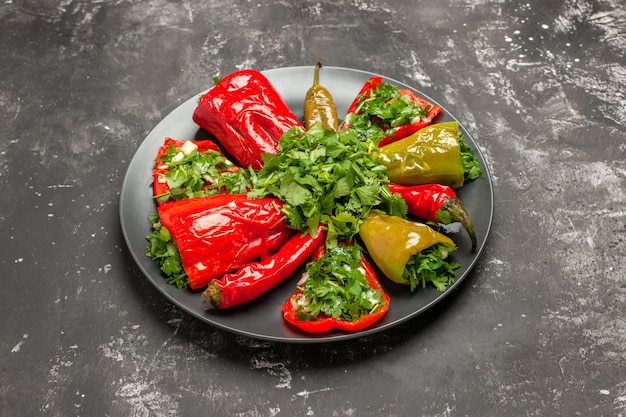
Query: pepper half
point(221, 233)
point(384, 107)
point(246, 115)
point(323, 322)
point(391, 242)
point(430, 155)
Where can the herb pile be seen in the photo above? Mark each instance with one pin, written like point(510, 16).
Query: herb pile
point(471, 164)
point(383, 107)
point(430, 265)
point(326, 177)
point(336, 287)
point(162, 249)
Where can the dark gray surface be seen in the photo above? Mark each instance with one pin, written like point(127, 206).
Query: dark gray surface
point(539, 328)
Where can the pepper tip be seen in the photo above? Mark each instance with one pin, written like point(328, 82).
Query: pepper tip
point(458, 213)
point(213, 294)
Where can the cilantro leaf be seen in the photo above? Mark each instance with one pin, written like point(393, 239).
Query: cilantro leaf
point(201, 174)
point(383, 108)
point(162, 249)
point(323, 176)
point(431, 266)
point(337, 287)
point(471, 164)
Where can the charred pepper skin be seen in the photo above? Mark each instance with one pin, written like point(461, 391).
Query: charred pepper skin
point(245, 113)
point(319, 106)
point(255, 279)
point(221, 233)
point(436, 203)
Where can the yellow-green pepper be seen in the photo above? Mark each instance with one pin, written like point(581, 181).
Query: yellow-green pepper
point(391, 241)
point(319, 106)
point(430, 155)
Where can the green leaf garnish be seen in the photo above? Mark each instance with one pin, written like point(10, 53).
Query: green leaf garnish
point(336, 287)
point(430, 266)
point(471, 164)
point(163, 251)
point(381, 109)
point(324, 176)
point(201, 174)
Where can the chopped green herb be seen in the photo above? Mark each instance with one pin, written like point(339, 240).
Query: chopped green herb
point(163, 251)
point(471, 164)
point(336, 287)
point(323, 176)
point(201, 174)
point(430, 265)
point(381, 109)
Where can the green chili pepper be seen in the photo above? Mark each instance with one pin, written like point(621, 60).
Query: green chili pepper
point(319, 106)
point(430, 155)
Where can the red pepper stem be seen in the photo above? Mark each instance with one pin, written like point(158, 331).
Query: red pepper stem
point(458, 213)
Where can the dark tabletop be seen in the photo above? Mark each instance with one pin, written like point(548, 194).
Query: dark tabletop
point(539, 326)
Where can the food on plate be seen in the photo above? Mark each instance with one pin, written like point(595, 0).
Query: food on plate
point(436, 203)
point(217, 234)
point(325, 176)
point(340, 290)
point(247, 116)
point(194, 168)
point(408, 252)
point(310, 195)
point(256, 278)
point(319, 106)
point(383, 113)
point(434, 154)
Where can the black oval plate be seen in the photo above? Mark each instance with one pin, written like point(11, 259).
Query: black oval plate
point(262, 318)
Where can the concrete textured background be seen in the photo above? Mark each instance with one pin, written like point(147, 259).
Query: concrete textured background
point(539, 327)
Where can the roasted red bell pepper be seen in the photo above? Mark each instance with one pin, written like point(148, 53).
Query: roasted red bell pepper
point(391, 130)
point(246, 115)
point(436, 203)
point(159, 181)
point(221, 233)
point(255, 279)
point(295, 308)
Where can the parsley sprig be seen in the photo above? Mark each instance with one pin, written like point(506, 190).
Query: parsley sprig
point(471, 164)
point(201, 174)
point(431, 265)
point(162, 249)
point(336, 287)
point(327, 177)
point(381, 109)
